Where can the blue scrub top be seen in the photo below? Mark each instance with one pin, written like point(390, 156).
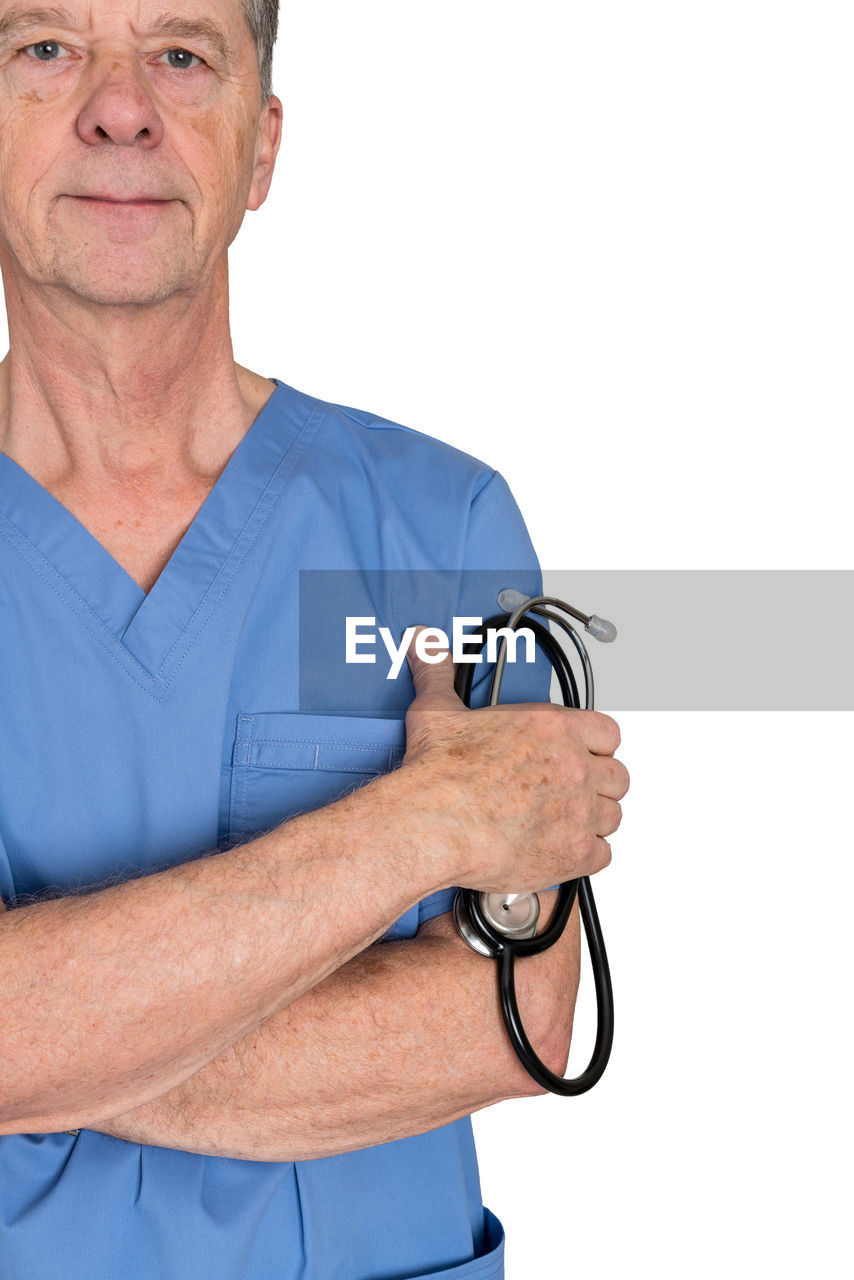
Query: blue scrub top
point(139, 731)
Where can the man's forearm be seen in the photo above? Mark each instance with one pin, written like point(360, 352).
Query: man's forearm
point(115, 997)
point(405, 1037)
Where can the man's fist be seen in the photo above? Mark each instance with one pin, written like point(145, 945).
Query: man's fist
point(524, 794)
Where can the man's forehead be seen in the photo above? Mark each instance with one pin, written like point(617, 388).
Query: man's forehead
point(140, 13)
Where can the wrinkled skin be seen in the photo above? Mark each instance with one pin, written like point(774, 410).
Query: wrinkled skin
point(108, 113)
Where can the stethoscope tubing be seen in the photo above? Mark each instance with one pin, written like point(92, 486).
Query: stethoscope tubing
point(505, 949)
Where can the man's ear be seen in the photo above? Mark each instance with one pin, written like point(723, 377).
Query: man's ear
point(267, 148)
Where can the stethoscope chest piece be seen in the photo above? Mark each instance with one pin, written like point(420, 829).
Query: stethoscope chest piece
point(512, 915)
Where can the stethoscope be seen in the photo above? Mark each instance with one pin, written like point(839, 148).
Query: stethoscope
point(503, 925)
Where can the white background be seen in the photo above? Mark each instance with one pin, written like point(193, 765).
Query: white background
point(608, 249)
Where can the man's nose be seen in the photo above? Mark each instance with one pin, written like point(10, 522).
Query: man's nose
point(120, 108)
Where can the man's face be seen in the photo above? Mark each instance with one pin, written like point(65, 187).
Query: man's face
point(132, 141)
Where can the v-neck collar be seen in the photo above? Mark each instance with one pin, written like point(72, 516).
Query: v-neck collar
point(153, 631)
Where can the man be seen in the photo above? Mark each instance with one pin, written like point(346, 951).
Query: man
point(208, 1067)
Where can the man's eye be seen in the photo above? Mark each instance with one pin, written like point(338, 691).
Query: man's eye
point(182, 59)
point(46, 50)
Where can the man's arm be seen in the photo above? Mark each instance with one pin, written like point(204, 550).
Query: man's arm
point(405, 1037)
point(112, 999)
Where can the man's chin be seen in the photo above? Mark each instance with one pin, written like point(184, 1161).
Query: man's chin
point(122, 288)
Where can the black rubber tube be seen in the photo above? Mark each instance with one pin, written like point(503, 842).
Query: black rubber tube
point(505, 950)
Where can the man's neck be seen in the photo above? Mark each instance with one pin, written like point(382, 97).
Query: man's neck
point(96, 398)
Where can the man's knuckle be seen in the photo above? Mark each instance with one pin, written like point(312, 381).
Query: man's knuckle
point(575, 771)
point(583, 848)
point(546, 721)
point(593, 851)
point(616, 818)
point(609, 729)
point(583, 808)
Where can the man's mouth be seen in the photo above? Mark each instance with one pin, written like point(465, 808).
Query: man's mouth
point(140, 202)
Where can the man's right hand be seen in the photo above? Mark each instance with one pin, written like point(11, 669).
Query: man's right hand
point(523, 794)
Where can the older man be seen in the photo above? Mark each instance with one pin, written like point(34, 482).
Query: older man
point(208, 1067)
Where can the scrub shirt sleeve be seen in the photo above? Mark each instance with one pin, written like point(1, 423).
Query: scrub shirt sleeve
point(498, 554)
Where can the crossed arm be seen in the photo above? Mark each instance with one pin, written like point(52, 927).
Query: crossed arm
point(272, 1025)
point(403, 1038)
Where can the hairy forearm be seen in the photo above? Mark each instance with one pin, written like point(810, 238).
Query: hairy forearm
point(405, 1037)
point(115, 997)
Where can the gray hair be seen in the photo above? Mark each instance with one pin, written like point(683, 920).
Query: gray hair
point(262, 19)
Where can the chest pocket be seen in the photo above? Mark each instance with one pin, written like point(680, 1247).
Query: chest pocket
point(285, 763)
